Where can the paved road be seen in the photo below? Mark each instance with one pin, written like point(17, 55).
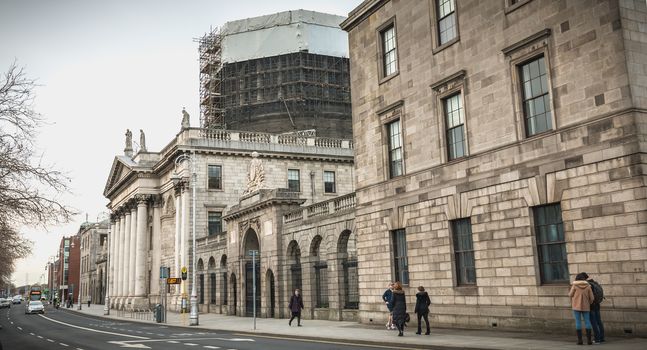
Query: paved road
point(61, 329)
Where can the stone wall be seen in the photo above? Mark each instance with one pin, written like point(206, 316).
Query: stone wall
point(591, 162)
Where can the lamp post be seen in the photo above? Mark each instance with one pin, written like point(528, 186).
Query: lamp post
point(193, 315)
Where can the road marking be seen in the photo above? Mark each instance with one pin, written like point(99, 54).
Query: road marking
point(368, 345)
point(32, 334)
point(211, 347)
point(39, 336)
point(11, 322)
point(49, 340)
point(92, 330)
point(179, 340)
point(190, 344)
point(172, 342)
point(63, 344)
point(19, 328)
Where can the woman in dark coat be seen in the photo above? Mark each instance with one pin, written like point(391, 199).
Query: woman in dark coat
point(296, 305)
point(399, 303)
point(422, 308)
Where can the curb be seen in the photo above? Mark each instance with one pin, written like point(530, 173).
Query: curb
point(341, 341)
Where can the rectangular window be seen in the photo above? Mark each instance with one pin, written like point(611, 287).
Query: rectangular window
point(455, 124)
point(215, 177)
point(223, 296)
point(395, 148)
point(212, 288)
point(215, 222)
point(446, 21)
point(551, 244)
point(329, 182)
point(464, 252)
point(294, 180)
point(536, 101)
point(389, 54)
point(400, 256)
point(321, 284)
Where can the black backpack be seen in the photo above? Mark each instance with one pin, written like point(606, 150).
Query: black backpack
point(598, 292)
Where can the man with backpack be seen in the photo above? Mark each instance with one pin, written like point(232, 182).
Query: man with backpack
point(596, 320)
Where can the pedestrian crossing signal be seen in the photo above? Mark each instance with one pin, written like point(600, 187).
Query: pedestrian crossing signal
point(184, 273)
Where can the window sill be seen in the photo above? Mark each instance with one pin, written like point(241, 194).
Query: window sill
point(330, 193)
point(215, 190)
point(548, 131)
point(389, 77)
point(514, 7)
point(446, 45)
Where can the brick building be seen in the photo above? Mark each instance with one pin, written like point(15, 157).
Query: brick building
point(68, 268)
point(500, 150)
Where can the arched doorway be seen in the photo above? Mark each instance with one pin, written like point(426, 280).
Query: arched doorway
point(347, 251)
point(212, 280)
point(252, 243)
point(271, 292)
point(200, 270)
point(320, 273)
point(294, 266)
point(234, 294)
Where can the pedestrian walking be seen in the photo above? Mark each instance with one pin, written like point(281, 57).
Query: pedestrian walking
point(399, 303)
point(89, 300)
point(596, 319)
point(581, 299)
point(388, 293)
point(422, 309)
point(296, 305)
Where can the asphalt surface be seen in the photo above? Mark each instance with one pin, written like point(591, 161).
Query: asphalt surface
point(62, 329)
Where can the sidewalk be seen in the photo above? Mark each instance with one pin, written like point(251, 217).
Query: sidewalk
point(354, 332)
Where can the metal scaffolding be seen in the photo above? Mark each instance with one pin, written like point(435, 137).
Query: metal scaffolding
point(211, 111)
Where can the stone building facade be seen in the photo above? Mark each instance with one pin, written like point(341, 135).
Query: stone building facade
point(94, 239)
point(151, 203)
point(500, 150)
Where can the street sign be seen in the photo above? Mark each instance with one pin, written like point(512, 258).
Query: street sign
point(165, 272)
point(173, 280)
point(184, 273)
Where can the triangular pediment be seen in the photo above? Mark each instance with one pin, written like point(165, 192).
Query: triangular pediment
point(120, 169)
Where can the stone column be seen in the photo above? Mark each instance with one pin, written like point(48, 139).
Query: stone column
point(126, 256)
point(178, 210)
point(133, 252)
point(110, 286)
point(157, 246)
point(141, 246)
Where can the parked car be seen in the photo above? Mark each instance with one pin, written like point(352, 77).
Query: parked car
point(34, 307)
point(17, 299)
point(5, 303)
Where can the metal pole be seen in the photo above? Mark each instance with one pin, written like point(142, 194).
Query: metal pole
point(106, 307)
point(254, 283)
point(193, 317)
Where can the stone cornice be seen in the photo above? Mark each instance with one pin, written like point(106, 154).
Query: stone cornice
point(360, 13)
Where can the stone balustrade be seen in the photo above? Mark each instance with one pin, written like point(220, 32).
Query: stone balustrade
point(321, 209)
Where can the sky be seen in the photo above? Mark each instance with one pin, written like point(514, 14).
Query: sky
point(103, 67)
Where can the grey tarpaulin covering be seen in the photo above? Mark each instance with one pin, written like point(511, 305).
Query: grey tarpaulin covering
point(281, 33)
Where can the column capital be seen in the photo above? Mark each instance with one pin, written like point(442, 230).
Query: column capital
point(142, 199)
point(157, 200)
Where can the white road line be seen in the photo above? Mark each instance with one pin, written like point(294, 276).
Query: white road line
point(11, 322)
point(39, 336)
point(32, 334)
point(190, 344)
point(63, 344)
point(19, 328)
point(211, 347)
point(49, 340)
point(92, 330)
point(173, 342)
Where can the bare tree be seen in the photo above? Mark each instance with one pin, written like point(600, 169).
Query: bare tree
point(29, 190)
